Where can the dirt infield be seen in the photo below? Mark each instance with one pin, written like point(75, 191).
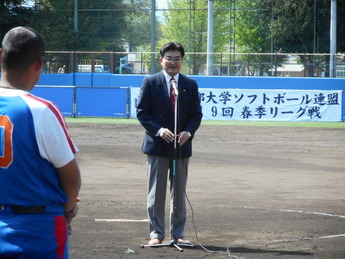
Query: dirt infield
point(262, 192)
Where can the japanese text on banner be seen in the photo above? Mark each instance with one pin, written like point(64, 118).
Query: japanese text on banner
point(280, 105)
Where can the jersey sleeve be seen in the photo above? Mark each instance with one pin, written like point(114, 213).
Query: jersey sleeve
point(53, 140)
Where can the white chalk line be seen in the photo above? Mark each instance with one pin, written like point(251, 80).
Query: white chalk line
point(294, 211)
point(121, 220)
point(283, 210)
point(304, 212)
point(306, 238)
point(297, 211)
point(259, 208)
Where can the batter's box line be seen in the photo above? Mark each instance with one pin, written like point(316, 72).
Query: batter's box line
point(296, 211)
point(303, 239)
point(304, 212)
point(121, 220)
point(272, 209)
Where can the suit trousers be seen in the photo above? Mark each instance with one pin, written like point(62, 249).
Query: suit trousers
point(157, 172)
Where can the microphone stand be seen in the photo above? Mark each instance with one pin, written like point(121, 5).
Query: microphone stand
point(173, 242)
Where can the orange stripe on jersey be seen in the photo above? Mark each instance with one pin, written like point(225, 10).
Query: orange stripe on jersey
point(7, 157)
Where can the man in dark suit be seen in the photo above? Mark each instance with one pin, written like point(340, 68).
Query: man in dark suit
point(165, 156)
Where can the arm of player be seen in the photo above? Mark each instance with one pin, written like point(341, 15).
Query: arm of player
point(70, 180)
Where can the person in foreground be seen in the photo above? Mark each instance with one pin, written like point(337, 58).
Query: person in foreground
point(39, 175)
point(155, 111)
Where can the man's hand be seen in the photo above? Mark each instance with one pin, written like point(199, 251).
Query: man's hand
point(183, 137)
point(167, 135)
point(70, 215)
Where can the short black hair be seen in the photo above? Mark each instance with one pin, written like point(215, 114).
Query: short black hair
point(172, 46)
point(21, 47)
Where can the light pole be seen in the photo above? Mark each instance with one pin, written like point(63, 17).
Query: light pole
point(333, 39)
point(76, 16)
point(153, 36)
point(210, 38)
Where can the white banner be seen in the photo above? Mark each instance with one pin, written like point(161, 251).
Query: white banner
point(265, 105)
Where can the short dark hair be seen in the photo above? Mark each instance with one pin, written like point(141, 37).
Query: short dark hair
point(21, 47)
point(172, 46)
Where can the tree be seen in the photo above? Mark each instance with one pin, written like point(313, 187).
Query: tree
point(54, 20)
point(138, 24)
point(293, 28)
point(288, 26)
point(252, 27)
point(253, 35)
point(101, 25)
point(100, 29)
point(190, 29)
point(13, 14)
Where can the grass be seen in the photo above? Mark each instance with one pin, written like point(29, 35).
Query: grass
point(307, 124)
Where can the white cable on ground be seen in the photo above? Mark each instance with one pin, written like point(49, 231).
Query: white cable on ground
point(227, 252)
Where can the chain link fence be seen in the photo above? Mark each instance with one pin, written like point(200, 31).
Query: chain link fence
point(224, 64)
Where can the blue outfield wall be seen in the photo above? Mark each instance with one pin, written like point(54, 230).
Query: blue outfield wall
point(102, 102)
point(104, 94)
point(62, 96)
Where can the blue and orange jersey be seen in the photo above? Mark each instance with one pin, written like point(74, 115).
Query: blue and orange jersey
point(34, 141)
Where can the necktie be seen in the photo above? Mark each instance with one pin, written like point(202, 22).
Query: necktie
point(172, 97)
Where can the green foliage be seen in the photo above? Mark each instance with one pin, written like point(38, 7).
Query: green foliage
point(252, 27)
point(288, 26)
point(54, 20)
point(303, 27)
point(102, 25)
point(12, 14)
point(190, 28)
point(294, 25)
point(253, 35)
point(138, 23)
point(292, 28)
point(262, 26)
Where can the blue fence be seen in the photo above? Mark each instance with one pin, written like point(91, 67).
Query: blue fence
point(109, 95)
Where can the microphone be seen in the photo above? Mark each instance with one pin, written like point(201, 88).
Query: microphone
point(173, 83)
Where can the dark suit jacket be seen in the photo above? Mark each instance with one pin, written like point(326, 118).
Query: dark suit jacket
point(154, 112)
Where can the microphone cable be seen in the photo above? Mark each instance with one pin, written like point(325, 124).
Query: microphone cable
point(228, 251)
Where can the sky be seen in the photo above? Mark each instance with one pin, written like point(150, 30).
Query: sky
point(29, 2)
point(160, 4)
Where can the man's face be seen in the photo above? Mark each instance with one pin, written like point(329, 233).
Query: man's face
point(171, 62)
